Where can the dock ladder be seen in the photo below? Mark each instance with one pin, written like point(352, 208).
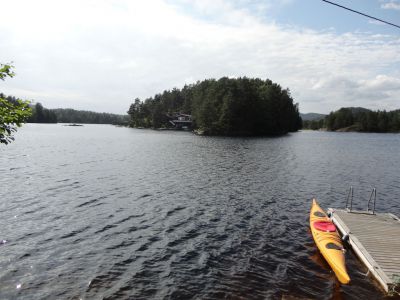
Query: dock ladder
point(349, 206)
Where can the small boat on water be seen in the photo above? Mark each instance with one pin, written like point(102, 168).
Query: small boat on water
point(328, 241)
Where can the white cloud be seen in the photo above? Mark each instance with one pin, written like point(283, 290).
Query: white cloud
point(377, 92)
point(382, 82)
point(100, 55)
point(393, 4)
point(375, 22)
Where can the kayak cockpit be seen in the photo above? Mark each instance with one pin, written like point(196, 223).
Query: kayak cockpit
point(324, 226)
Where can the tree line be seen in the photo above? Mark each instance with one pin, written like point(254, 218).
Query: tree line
point(68, 115)
point(226, 106)
point(358, 119)
point(40, 114)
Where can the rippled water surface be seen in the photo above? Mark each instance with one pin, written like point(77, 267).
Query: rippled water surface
point(101, 212)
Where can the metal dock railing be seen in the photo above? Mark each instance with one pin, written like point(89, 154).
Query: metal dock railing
point(374, 237)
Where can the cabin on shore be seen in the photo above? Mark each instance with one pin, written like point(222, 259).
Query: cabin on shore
point(180, 121)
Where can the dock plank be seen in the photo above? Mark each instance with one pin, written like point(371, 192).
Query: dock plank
point(375, 238)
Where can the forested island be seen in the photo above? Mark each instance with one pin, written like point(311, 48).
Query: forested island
point(357, 119)
point(240, 106)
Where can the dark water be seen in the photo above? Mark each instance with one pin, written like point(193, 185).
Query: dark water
point(100, 212)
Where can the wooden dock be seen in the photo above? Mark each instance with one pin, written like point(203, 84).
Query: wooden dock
point(375, 238)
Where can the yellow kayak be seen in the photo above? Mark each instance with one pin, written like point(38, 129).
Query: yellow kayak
point(328, 241)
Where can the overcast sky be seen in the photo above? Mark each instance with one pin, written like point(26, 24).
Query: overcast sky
point(101, 54)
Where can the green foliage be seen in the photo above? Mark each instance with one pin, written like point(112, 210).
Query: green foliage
point(13, 112)
point(12, 115)
point(226, 106)
point(6, 71)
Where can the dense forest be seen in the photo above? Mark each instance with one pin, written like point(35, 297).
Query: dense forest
point(358, 119)
point(226, 106)
point(42, 115)
point(68, 115)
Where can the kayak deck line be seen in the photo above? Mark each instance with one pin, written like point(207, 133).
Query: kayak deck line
point(375, 238)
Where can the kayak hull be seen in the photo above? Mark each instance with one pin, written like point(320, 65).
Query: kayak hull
point(328, 242)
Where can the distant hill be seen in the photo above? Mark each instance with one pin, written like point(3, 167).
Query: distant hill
point(357, 110)
point(312, 116)
point(317, 116)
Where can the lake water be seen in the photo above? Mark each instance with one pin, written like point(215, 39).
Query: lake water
point(102, 212)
